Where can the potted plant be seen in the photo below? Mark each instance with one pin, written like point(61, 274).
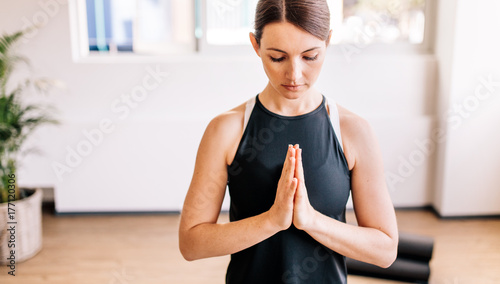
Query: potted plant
point(20, 209)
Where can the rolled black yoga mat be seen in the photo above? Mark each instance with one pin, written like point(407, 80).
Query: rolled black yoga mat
point(402, 269)
point(411, 265)
point(415, 247)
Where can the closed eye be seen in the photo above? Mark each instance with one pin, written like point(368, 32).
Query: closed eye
point(311, 58)
point(277, 59)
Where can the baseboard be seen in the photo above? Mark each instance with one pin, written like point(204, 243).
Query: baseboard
point(471, 217)
point(110, 213)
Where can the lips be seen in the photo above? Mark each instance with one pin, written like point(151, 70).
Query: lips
point(293, 88)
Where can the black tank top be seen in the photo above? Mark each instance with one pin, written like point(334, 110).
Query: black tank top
point(290, 256)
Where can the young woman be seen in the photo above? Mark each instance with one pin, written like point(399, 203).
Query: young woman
point(290, 159)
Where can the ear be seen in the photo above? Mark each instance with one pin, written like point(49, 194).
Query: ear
point(329, 38)
point(255, 45)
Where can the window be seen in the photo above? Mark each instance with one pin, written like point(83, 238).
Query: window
point(187, 26)
point(141, 26)
point(109, 25)
point(229, 21)
point(386, 21)
point(353, 21)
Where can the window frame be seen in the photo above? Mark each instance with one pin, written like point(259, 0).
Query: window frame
point(202, 49)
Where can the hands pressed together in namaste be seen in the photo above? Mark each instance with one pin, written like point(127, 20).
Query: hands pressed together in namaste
point(291, 205)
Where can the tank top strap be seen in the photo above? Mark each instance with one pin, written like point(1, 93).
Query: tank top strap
point(334, 117)
point(248, 111)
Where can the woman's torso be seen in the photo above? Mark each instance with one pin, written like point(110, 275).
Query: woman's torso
point(290, 256)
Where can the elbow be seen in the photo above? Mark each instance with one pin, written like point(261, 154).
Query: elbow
point(188, 254)
point(389, 255)
point(187, 251)
point(388, 260)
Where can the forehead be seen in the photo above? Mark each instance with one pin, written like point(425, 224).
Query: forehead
point(288, 37)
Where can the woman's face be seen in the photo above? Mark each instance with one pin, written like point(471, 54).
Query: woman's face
point(292, 58)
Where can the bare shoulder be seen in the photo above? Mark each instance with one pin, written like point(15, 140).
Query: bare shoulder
point(228, 120)
point(357, 135)
point(352, 124)
point(225, 131)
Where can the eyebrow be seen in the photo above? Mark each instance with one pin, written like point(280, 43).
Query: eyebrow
point(279, 50)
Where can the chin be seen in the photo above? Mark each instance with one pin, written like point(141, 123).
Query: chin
point(292, 95)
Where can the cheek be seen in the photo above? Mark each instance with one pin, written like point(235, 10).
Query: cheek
point(273, 70)
point(314, 69)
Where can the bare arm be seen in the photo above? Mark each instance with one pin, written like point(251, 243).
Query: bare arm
point(199, 234)
point(375, 238)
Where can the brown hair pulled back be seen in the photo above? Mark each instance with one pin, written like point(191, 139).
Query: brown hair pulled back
point(313, 16)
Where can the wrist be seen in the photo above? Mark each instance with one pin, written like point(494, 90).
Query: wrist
point(271, 222)
point(311, 223)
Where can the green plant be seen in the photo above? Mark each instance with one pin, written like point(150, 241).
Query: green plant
point(17, 120)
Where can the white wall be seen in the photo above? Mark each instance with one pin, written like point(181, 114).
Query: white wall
point(467, 47)
point(146, 162)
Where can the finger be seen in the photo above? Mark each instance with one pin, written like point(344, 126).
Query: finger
point(299, 170)
point(291, 166)
point(287, 160)
point(296, 148)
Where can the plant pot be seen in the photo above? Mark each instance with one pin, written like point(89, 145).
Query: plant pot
point(25, 235)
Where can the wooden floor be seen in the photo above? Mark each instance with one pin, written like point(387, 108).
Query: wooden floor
point(129, 249)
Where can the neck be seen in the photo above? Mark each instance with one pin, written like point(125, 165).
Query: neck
point(290, 104)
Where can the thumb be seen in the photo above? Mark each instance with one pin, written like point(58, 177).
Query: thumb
point(292, 190)
point(301, 189)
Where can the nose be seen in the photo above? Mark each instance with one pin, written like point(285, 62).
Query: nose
point(294, 71)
